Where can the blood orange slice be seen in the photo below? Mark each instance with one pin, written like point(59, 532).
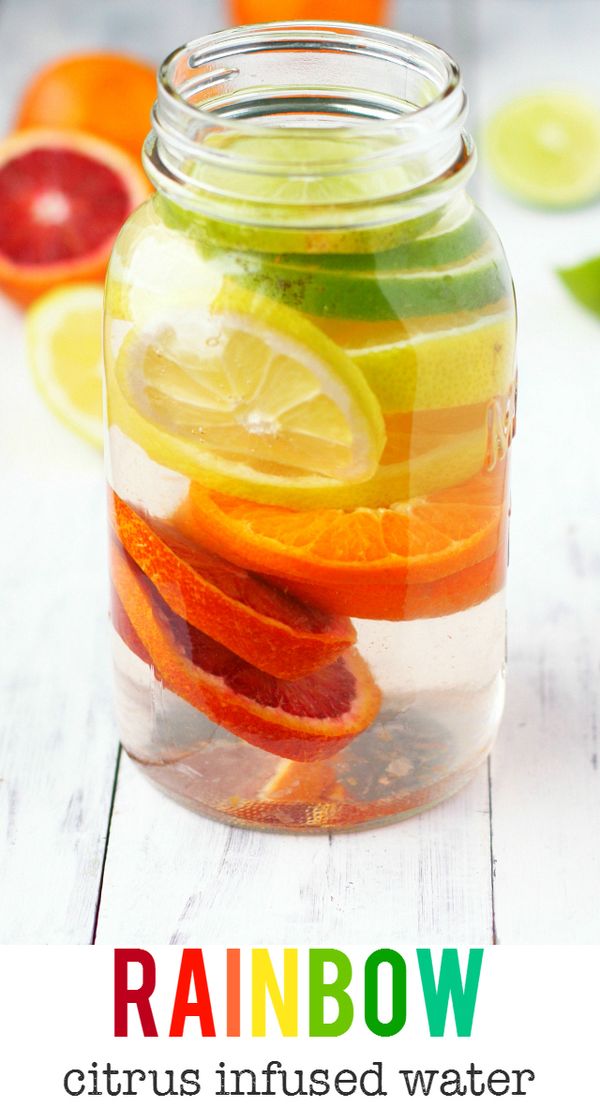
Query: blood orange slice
point(273, 631)
point(304, 720)
point(122, 624)
point(360, 562)
point(63, 197)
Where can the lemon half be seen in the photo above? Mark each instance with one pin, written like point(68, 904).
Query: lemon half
point(64, 345)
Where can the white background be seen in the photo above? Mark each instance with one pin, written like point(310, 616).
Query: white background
point(88, 850)
point(535, 1009)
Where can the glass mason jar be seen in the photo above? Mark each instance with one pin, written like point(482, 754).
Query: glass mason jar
point(310, 387)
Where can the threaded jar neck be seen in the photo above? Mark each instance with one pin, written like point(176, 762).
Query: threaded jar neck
point(309, 124)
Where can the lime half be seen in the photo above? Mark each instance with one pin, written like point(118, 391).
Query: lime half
point(545, 148)
point(247, 391)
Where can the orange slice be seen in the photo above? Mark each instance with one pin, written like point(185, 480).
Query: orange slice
point(359, 562)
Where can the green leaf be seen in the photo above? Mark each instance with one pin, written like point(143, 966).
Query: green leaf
point(583, 282)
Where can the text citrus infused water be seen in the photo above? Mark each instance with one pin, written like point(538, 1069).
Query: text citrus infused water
point(309, 431)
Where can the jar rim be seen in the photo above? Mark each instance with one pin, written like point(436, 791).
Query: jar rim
point(401, 130)
point(445, 108)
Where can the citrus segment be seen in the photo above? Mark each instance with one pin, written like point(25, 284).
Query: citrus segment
point(304, 720)
point(349, 555)
point(271, 630)
point(64, 343)
point(545, 148)
point(307, 784)
point(253, 383)
point(63, 197)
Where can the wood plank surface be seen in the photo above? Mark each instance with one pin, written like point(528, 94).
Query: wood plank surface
point(58, 744)
point(174, 877)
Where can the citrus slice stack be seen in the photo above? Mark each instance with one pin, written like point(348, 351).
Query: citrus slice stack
point(63, 197)
point(417, 557)
point(305, 719)
point(261, 624)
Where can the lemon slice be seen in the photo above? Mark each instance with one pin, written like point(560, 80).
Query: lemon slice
point(545, 148)
point(64, 343)
point(432, 363)
point(442, 462)
point(250, 390)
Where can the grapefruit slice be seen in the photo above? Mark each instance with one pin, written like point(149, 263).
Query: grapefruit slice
point(304, 720)
point(357, 562)
point(63, 197)
point(273, 631)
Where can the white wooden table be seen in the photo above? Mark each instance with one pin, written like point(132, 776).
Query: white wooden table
point(89, 851)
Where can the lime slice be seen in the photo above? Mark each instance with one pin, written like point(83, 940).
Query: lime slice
point(448, 361)
point(248, 390)
point(64, 344)
point(378, 290)
point(583, 282)
point(312, 169)
point(545, 148)
point(438, 246)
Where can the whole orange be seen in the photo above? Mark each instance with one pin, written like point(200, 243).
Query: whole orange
point(108, 95)
point(352, 11)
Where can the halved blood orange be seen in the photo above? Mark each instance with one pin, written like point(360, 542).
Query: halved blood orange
point(304, 720)
point(63, 197)
point(273, 631)
point(360, 562)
